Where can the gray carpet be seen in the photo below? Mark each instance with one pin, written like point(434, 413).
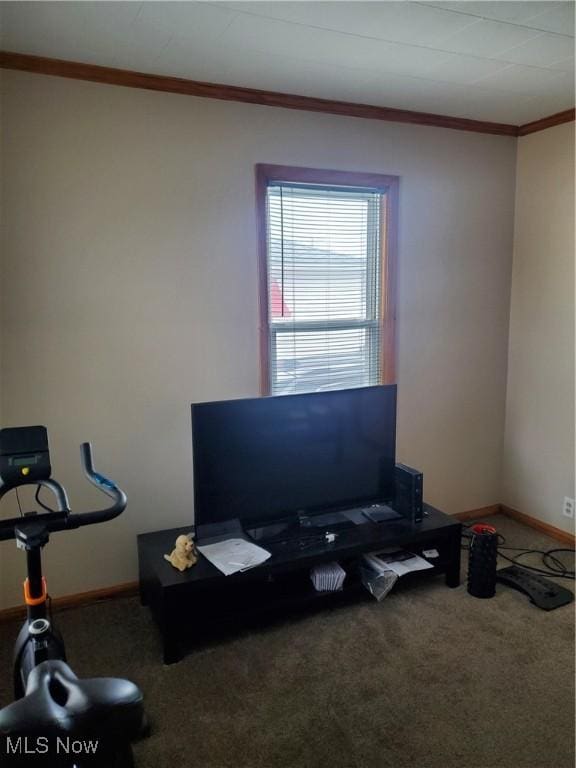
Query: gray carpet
point(430, 678)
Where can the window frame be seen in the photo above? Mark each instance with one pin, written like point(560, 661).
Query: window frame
point(389, 187)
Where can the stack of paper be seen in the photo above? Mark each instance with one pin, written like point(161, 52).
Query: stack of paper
point(328, 578)
point(398, 561)
point(234, 555)
point(379, 572)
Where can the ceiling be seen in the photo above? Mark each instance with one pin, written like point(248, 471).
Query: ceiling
point(509, 62)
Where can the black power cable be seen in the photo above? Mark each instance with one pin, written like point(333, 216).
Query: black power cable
point(37, 498)
point(551, 564)
point(549, 555)
point(19, 504)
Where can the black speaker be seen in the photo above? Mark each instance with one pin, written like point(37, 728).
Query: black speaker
point(482, 558)
point(409, 492)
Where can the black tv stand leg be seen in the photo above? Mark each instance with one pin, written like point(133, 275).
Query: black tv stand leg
point(171, 640)
point(453, 569)
point(171, 651)
point(171, 646)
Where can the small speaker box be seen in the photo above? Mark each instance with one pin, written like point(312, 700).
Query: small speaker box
point(409, 493)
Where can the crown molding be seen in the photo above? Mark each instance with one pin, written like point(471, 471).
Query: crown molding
point(124, 77)
point(547, 122)
point(111, 76)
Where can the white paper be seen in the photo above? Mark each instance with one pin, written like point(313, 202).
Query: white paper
point(399, 562)
point(234, 555)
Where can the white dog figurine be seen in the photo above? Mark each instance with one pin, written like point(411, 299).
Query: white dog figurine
point(184, 553)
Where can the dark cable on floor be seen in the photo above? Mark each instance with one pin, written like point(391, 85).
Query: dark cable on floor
point(550, 556)
point(551, 564)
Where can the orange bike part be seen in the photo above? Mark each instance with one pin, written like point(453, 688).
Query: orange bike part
point(29, 600)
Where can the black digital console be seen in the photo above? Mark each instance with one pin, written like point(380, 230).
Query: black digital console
point(24, 456)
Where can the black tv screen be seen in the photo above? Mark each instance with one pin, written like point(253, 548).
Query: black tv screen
point(264, 459)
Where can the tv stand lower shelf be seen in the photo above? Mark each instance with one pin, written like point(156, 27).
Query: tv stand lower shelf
point(200, 604)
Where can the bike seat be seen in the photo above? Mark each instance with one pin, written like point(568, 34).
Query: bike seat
point(57, 704)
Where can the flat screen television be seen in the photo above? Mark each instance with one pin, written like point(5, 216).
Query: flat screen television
point(269, 459)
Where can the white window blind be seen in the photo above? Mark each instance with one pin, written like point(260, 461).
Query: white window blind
point(324, 283)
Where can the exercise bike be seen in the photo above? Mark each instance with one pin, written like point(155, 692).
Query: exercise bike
point(57, 719)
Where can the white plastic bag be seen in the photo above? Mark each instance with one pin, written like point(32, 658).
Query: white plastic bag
point(378, 583)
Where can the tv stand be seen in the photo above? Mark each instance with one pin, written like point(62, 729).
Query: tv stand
point(200, 604)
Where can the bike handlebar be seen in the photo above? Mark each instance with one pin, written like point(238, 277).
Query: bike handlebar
point(103, 484)
point(63, 519)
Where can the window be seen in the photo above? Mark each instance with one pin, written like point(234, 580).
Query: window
point(327, 241)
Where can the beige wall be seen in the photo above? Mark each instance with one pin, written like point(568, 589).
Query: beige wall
point(130, 290)
point(539, 436)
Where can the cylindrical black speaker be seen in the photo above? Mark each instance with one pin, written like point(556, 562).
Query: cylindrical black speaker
point(482, 561)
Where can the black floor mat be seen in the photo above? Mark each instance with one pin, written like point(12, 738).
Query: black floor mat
point(543, 592)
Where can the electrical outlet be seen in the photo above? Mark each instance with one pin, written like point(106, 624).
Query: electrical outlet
point(568, 508)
